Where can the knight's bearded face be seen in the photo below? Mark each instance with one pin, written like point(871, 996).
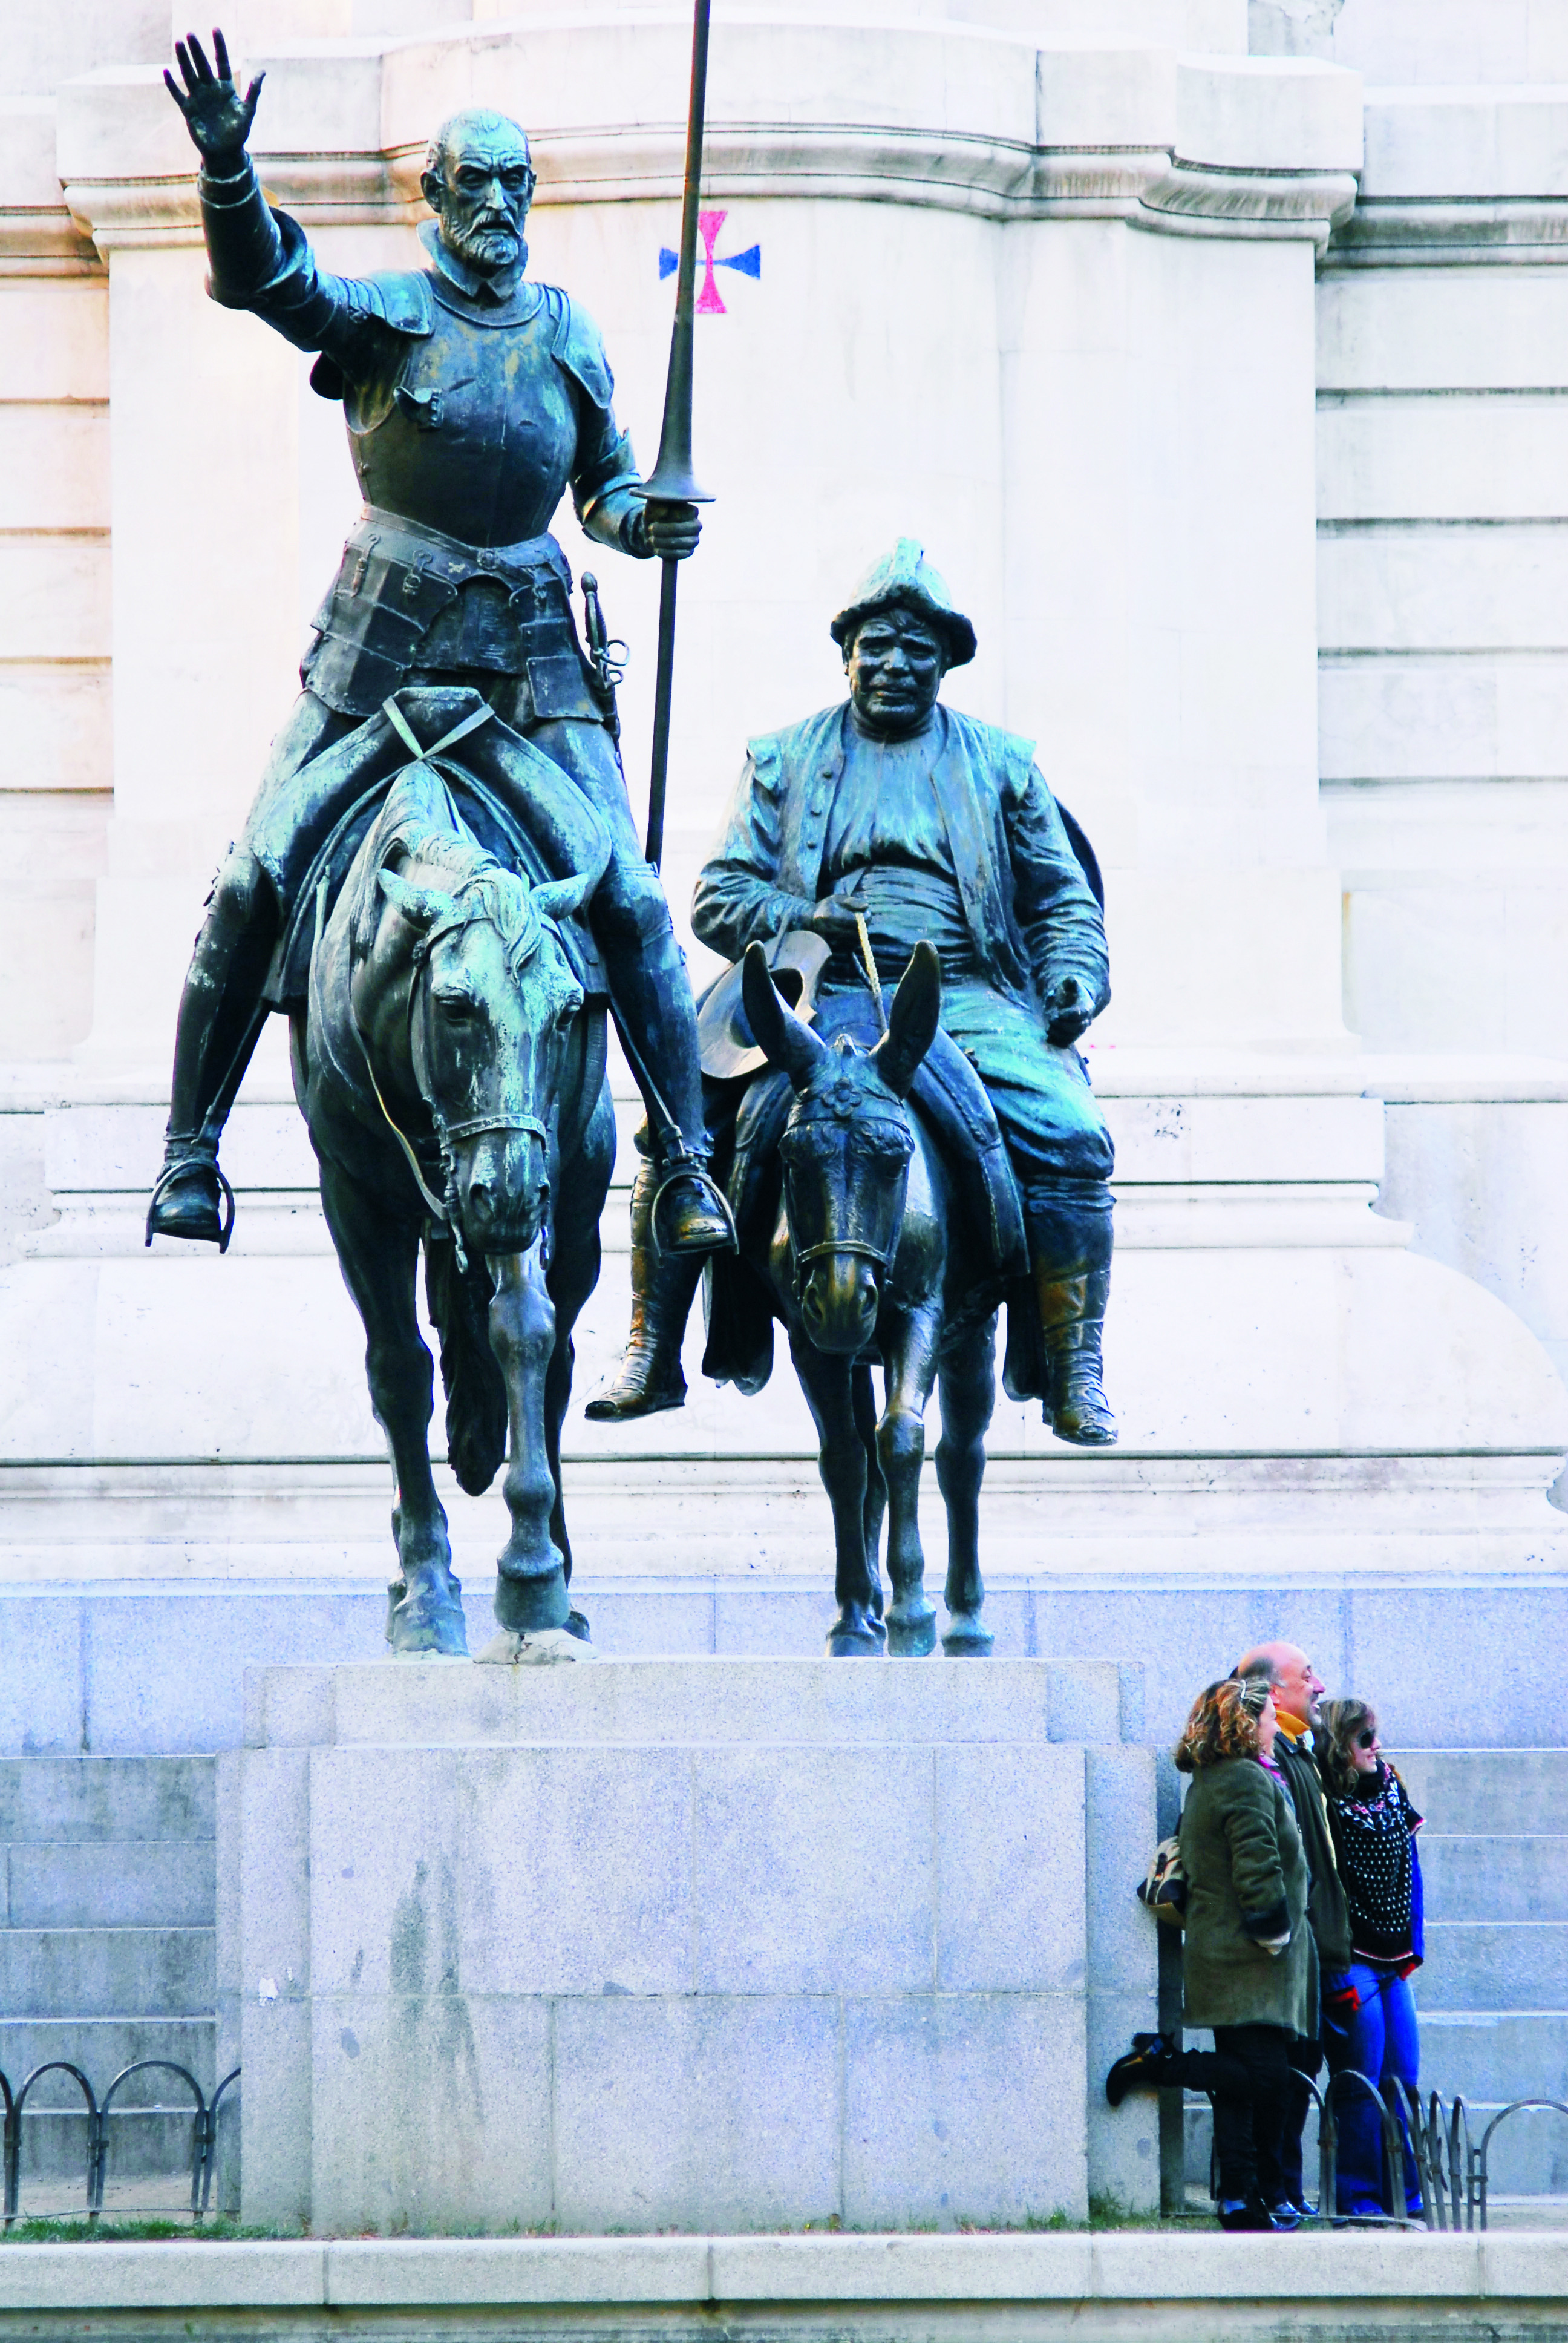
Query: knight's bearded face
point(482, 196)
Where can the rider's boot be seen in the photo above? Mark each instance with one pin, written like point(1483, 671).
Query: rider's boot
point(663, 1285)
point(220, 1020)
point(1072, 1318)
point(1069, 1244)
point(651, 997)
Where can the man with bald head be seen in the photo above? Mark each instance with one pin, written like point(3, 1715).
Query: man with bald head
point(475, 398)
point(1298, 1688)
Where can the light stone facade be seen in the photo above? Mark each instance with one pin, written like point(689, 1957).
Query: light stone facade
point(1231, 392)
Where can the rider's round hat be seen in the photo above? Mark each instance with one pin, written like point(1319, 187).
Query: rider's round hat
point(905, 579)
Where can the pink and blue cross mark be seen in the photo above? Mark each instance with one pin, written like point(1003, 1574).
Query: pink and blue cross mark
point(749, 263)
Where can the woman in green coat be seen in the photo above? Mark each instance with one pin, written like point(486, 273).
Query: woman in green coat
point(1249, 1967)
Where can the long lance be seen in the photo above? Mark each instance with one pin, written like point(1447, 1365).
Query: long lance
point(671, 480)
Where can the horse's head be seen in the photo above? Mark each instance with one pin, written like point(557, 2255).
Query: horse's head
point(846, 1146)
point(490, 1001)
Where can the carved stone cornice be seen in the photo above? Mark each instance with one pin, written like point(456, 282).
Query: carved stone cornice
point(1198, 199)
point(1419, 232)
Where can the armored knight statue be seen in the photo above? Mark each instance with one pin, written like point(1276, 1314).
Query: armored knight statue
point(867, 827)
point(473, 398)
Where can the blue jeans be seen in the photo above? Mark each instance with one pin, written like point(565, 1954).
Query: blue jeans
point(1379, 2038)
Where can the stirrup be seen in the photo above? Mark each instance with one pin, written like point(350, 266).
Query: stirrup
point(178, 1170)
point(687, 1166)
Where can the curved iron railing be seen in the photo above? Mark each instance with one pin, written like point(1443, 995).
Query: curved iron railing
point(203, 2130)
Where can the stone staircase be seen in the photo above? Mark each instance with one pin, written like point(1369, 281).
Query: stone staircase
point(1493, 1992)
point(106, 1957)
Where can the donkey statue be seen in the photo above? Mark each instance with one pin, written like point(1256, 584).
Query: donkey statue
point(867, 1258)
point(451, 1069)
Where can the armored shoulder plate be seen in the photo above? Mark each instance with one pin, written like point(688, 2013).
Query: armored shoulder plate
point(578, 347)
point(398, 297)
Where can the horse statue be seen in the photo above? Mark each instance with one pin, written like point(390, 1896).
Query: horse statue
point(449, 1063)
point(866, 1257)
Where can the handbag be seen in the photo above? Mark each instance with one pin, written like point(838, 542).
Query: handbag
point(1163, 1891)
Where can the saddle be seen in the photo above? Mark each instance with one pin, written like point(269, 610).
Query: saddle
point(952, 1098)
point(527, 837)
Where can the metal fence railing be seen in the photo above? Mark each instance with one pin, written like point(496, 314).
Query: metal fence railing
point(204, 2113)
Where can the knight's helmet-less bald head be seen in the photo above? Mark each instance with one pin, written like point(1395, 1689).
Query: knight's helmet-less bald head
point(473, 124)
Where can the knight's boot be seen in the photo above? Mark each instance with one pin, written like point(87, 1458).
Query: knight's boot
point(663, 1284)
point(221, 1017)
point(1071, 1321)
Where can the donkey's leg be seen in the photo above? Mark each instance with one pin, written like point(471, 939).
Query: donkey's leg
point(857, 1633)
point(876, 1505)
point(909, 1348)
point(968, 1398)
point(531, 1590)
point(378, 1256)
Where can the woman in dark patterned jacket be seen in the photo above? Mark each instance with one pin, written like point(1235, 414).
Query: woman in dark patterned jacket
point(1370, 2012)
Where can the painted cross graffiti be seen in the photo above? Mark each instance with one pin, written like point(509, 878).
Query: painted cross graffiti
point(749, 263)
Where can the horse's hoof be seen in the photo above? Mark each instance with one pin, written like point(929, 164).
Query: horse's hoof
point(966, 1638)
point(527, 1606)
point(912, 1630)
point(856, 1635)
point(427, 1622)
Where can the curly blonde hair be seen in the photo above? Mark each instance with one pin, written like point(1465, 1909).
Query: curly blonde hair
point(1223, 1722)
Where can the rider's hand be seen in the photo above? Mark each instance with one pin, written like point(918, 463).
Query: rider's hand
point(1069, 1012)
point(671, 530)
point(216, 116)
point(834, 918)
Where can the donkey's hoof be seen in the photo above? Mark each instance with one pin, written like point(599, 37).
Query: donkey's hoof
point(428, 1620)
point(855, 1634)
point(967, 1638)
point(577, 1626)
point(912, 1629)
point(531, 1605)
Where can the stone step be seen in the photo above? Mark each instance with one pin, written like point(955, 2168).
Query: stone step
point(1494, 1965)
point(107, 1972)
point(103, 2047)
point(47, 1800)
point(1496, 1876)
point(1487, 1790)
point(55, 2134)
point(1495, 2056)
point(110, 1883)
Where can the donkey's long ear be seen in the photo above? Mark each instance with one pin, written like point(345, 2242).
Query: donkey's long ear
point(912, 1026)
point(777, 1032)
point(558, 898)
point(420, 906)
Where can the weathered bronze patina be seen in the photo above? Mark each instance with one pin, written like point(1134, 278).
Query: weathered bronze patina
point(876, 825)
point(474, 398)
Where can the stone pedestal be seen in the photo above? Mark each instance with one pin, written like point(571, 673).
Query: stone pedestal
point(686, 1943)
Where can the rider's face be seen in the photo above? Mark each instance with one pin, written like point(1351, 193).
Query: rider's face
point(895, 668)
point(482, 195)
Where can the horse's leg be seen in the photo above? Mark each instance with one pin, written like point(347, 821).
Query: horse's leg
point(909, 1348)
point(573, 1275)
point(967, 1386)
point(531, 1589)
point(857, 1633)
point(864, 1399)
point(379, 1257)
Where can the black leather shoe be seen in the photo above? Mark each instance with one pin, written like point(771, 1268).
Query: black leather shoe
point(1145, 2067)
point(690, 1216)
point(191, 1199)
point(1246, 2213)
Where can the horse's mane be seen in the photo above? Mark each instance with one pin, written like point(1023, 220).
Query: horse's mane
point(420, 823)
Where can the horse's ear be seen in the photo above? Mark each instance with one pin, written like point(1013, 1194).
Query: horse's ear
point(777, 1032)
point(912, 1026)
point(420, 906)
point(558, 898)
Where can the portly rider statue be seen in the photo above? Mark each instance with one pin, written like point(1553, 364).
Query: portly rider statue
point(473, 398)
point(927, 823)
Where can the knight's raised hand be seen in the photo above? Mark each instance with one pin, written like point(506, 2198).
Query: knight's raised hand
point(216, 116)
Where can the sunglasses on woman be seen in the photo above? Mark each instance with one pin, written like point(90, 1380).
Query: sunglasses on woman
point(1367, 1740)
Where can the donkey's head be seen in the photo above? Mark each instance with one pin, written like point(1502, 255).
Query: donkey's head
point(846, 1146)
point(490, 1001)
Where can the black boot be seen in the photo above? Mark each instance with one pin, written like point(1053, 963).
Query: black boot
point(192, 1199)
point(1071, 1319)
point(1149, 2066)
point(663, 1285)
point(1247, 2213)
